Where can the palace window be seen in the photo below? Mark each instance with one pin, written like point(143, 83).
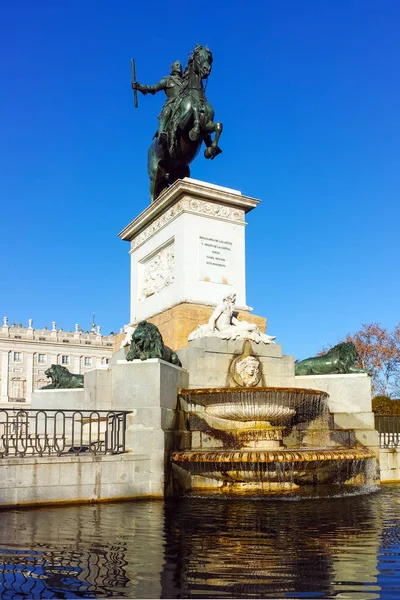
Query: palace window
point(88, 361)
point(64, 360)
point(42, 358)
point(17, 390)
point(17, 356)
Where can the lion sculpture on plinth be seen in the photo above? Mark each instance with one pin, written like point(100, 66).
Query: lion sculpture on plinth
point(339, 360)
point(147, 343)
point(61, 378)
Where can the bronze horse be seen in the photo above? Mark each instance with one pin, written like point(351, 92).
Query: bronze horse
point(191, 123)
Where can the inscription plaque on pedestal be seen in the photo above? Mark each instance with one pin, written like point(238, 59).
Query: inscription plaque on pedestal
point(215, 263)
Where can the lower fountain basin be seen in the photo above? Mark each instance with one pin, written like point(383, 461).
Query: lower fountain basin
point(275, 471)
point(283, 455)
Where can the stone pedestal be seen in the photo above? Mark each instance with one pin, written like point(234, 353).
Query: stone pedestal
point(150, 390)
point(188, 247)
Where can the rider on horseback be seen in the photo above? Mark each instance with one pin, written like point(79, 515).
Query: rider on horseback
point(172, 85)
point(185, 122)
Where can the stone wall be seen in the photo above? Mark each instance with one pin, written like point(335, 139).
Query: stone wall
point(68, 399)
point(389, 462)
point(41, 480)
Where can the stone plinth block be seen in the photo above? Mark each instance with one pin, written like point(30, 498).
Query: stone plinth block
point(188, 247)
point(146, 384)
point(68, 399)
point(150, 390)
point(347, 393)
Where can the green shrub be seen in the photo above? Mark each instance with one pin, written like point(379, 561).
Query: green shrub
point(383, 405)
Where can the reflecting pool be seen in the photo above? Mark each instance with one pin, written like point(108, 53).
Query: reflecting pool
point(339, 547)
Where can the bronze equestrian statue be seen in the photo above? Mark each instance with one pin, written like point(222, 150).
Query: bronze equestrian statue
point(186, 120)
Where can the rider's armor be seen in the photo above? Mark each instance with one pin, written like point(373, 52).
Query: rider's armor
point(172, 85)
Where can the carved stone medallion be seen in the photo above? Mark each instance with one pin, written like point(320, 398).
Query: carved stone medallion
point(246, 370)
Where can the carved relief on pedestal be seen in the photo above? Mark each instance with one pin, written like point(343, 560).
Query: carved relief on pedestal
point(158, 273)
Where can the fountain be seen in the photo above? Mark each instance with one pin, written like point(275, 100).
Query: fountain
point(263, 440)
point(244, 421)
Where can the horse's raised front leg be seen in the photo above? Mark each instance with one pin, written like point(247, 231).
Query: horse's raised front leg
point(212, 149)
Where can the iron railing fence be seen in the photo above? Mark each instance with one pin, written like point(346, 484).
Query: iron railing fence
point(29, 432)
point(388, 427)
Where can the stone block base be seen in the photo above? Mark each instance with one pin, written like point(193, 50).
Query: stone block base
point(349, 393)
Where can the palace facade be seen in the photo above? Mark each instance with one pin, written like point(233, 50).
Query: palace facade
point(26, 353)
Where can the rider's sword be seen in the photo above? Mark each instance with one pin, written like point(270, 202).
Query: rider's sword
point(135, 100)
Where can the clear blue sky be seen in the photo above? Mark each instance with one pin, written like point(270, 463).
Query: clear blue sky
point(309, 95)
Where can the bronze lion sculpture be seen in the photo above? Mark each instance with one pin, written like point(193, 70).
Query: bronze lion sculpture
point(147, 343)
point(61, 378)
point(340, 359)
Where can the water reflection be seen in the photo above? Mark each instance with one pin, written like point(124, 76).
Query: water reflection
point(275, 549)
point(327, 548)
point(82, 551)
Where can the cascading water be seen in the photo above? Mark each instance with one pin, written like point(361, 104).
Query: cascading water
point(236, 441)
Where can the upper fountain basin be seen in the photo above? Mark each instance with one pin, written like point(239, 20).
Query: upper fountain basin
point(258, 404)
point(252, 411)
